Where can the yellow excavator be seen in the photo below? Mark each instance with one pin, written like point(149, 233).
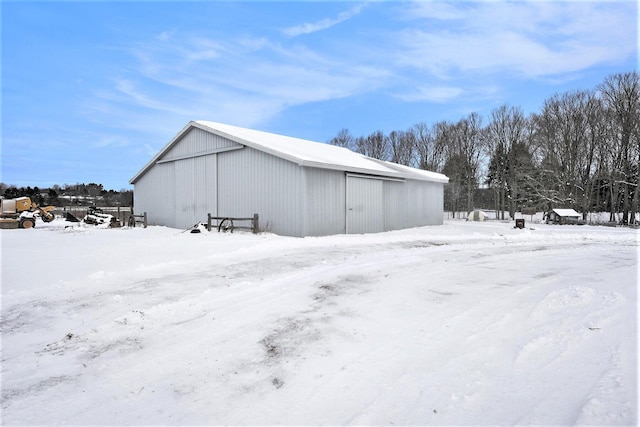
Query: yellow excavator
point(22, 213)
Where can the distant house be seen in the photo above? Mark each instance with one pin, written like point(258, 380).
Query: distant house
point(298, 187)
point(563, 216)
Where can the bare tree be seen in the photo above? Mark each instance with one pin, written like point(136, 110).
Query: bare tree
point(581, 150)
point(463, 144)
point(402, 147)
point(621, 95)
point(561, 134)
point(430, 151)
point(375, 145)
point(506, 130)
point(609, 175)
point(445, 136)
point(596, 131)
point(343, 139)
point(469, 143)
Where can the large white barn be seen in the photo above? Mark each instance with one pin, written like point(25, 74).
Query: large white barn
point(297, 187)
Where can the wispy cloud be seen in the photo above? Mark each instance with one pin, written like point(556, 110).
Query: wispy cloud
point(436, 53)
point(530, 39)
point(437, 94)
point(308, 28)
point(244, 81)
point(111, 141)
point(245, 63)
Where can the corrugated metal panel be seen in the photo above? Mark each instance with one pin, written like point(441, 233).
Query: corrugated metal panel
point(365, 213)
point(195, 142)
point(396, 205)
point(205, 187)
point(416, 215)
point(195, 190)
point(325, 202)
point(185, 211)
point(250, 181)
point(178, 194)
point(155, 194)
point(425, 203)
point(434, 194)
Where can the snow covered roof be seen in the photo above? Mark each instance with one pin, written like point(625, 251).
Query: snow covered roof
point(302, 152)
point(428, 175)
point(566, 212)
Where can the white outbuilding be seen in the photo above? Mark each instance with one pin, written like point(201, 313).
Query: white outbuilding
point(563, 216)
point(477, 215)
point(297, 187)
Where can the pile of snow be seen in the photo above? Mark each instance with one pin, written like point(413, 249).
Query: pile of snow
point(466, 324)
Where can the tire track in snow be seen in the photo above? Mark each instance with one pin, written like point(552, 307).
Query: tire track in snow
point(304, 306)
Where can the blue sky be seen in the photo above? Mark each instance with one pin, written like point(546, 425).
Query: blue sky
point(92, 90)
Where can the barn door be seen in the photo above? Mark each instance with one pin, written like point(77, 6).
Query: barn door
point(365, 213)
point(205, 187)
point(195, 190)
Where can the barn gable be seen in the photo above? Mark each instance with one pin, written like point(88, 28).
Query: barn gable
point(196, 143)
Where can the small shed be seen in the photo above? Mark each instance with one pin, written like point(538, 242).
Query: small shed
point(297, 187)
point(477, 215)
point(563, 216)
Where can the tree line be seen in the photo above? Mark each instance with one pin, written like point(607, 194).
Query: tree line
point(581, 151)
point(91, 194)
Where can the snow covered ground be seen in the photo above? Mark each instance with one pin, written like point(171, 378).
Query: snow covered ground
point(462, 324)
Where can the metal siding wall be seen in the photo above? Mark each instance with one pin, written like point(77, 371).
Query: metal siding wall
point(415, 217)
point(435, 204)
point(184, 195)
point(325, 202)
point(412, 204)
point(205, 187)
point(426, 204)
point(195, 190)
point(250, 181)
point(166, 194)
point(197, 141)
point(180, 193)
point(154, 193)
point(396, 205)
point(290, 200)
point(365, 212)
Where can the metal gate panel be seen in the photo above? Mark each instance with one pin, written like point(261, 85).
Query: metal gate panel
point(365, 213)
